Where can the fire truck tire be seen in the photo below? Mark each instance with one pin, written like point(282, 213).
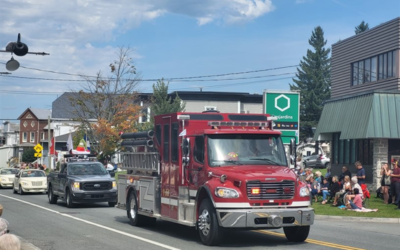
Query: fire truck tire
point(297, 233)
point(207, 224)
point(132, 210)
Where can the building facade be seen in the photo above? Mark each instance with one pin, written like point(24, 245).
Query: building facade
point(363, 115)
point(32, 126)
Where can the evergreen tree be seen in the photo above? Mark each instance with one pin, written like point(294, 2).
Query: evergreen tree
point(162, 103)
point(313, 82)
point(28, 155)
point(361, 28)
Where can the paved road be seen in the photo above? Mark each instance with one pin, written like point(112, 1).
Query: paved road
point(100, 227)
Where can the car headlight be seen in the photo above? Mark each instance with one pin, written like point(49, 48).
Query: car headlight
point(304, 191)
point(114, 184)
point(226, 193)
point(3, 179)
point(25, 183)
point(75, 186)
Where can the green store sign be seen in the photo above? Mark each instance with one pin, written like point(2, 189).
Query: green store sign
point(285, 106)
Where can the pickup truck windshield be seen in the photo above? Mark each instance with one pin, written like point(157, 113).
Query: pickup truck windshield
point(245, 150)
point(87, 169)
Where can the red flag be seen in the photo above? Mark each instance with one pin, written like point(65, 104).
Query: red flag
point(52, 147)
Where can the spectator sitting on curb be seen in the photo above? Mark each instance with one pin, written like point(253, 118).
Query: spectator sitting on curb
point(9, 242)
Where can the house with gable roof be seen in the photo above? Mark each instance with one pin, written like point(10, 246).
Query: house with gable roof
point(32, 126)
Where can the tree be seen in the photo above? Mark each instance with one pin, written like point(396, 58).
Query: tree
point(162, 103)
point(28, 155)
point(107, 105)
point(313, 82)
point(363, 26)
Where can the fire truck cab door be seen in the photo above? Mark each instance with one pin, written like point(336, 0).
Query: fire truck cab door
point(197, 175)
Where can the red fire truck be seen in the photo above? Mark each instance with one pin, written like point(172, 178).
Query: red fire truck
point(213, 171)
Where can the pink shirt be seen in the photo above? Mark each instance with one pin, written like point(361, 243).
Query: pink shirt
point(357, 201)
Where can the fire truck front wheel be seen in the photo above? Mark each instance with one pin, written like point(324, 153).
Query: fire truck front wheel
point(132, 209)
point(207, 224)
point(297, 233)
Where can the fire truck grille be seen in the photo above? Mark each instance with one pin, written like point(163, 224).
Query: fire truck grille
point(270, 190)
point(96, 185)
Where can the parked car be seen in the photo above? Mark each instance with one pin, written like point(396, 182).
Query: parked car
point(30, 181)
point(316, 161)
point(7, 177)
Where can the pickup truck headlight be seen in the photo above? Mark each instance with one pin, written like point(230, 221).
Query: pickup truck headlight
point(75, 186)
point(304, 191)
point(226, 193)
point(114, 185)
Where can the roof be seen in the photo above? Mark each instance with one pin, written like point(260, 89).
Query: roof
point(372, 115)
point(41, 114)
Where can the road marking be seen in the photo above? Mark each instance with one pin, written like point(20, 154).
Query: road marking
point(317, 242)
point(95, 224)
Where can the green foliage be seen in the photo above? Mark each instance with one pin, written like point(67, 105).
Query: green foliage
point(28, 155)
point(313, 82)
point(162, 103)
point(144, 126)
point(363, 26)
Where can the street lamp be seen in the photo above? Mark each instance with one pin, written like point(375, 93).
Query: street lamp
point(19, 49)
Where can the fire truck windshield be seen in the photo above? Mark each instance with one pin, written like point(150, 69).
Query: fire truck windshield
point(232, 149)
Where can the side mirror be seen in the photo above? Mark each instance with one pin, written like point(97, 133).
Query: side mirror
point(185, 146)
point(112, 174)
point(292, 147)
point(16, 175)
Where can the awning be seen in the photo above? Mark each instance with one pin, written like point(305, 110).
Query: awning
point(371, 115)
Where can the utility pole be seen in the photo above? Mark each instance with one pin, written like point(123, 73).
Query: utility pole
point(48, 142)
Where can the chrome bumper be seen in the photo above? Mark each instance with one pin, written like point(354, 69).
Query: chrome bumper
point(264, 218)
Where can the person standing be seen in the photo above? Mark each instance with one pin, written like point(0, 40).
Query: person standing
point(345, 172)
point(395, 183)
point(385, 185)
point(360, 172)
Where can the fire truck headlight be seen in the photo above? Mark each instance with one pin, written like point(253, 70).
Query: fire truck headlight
point(304, 191)
point(226, 193)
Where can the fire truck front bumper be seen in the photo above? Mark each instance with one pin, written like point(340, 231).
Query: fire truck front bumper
point(265, 218)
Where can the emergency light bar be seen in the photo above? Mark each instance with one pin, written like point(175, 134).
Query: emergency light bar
point(239, 124)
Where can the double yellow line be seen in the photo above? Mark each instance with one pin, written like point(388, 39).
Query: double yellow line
point(317, 242)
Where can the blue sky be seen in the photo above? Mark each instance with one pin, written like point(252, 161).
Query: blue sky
point(171, 39)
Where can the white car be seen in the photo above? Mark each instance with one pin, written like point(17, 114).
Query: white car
point(7, 177)
point(30, 181)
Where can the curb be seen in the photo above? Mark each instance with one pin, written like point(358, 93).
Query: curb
point(358, 219)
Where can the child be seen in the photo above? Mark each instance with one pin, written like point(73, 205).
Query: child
point(356, 203)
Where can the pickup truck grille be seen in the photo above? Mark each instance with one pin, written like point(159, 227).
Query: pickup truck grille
point(105, 185)
point(270, 190)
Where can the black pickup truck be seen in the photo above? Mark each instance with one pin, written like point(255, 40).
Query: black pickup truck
point(82, 182)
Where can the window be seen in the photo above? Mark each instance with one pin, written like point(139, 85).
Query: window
point(32, 124)
point(42, 136)
point(166, 143)
point(32, 138)
point(158, 134)
point(25, 137)
point(199, 149)
point(374, 68)
point(174, 142)
point(349, 151)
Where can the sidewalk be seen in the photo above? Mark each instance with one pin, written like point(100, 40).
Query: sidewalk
point(358, 219)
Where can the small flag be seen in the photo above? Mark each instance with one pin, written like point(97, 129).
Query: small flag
point(70, 145)
point(86, 138)
point(52, 147)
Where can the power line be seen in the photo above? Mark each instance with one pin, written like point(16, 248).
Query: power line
point(21, 92)
point(168, 79)
point(183, 80)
